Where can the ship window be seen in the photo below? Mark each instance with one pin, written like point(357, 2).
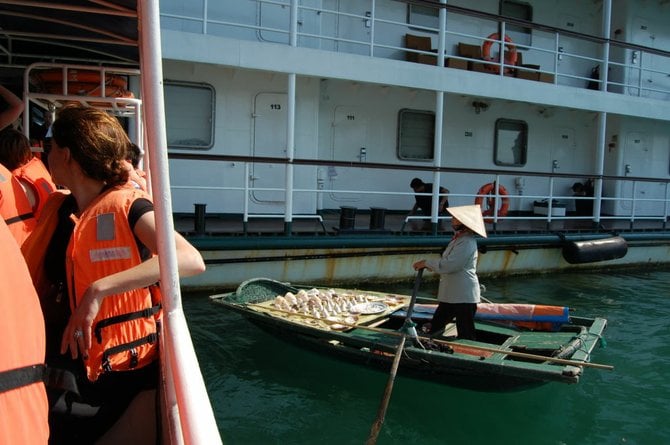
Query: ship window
point(416, 134)
point(511, 143)
point(424, 16)
point(189, 115)
point(517, 10)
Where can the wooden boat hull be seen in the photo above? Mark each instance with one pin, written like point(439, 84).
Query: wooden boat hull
point(465, 364)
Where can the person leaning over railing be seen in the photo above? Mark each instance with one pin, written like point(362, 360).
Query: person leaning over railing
point(93, 260)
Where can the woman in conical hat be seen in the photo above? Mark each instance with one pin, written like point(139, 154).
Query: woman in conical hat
point(458, 292)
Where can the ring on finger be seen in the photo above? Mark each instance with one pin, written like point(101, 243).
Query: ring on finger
point(77, 334)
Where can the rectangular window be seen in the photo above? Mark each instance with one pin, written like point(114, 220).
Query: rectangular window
point(189, 115)
point(424, 16)
point(416, 135)
point(511, 143)
point(517, 10)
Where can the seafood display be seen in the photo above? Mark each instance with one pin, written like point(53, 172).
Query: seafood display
point(330, 308)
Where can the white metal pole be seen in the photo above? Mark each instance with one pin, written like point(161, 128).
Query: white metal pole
point(439, 116)
point(197, 418)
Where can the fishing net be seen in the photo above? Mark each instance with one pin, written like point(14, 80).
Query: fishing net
point(258, 290)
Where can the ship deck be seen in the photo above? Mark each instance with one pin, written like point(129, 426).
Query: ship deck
point(328, 223)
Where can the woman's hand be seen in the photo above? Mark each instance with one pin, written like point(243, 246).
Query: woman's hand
point(77, 336)
point(421, 264)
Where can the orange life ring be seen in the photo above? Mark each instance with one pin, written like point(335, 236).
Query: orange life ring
point(490, 188)
point(510, 53)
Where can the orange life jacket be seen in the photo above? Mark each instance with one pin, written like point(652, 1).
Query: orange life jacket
point(23, 401)
point(103, 243)
point(37, 177)
point(15, 207)
point(34, 248)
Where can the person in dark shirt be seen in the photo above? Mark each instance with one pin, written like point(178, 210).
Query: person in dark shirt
point(423, 199)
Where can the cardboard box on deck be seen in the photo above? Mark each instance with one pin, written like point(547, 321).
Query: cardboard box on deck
point(546, 77)
point(469, 51)
point(528, 75)
point(542, 208)
point(479, 67)
point(420, 43)
point(457, 63)
point(427, 59)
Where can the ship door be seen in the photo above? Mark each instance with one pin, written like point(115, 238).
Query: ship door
point(638, 161)
point(270, 120)
point(642, 74)
point(349, 145)
point(563, 152)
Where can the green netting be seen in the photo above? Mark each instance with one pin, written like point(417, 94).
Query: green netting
point(257, 290)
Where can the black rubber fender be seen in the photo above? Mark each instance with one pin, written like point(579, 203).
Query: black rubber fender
point(591, 251)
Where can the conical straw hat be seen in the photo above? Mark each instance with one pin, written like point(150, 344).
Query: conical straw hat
point(470, 216)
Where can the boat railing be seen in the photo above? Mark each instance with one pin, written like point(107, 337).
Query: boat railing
point(530, 196)
point(565, 57)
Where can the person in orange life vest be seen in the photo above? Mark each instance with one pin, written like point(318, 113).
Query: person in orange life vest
point(23, 400)
point(136, 176)
point(458, 292)
point(98, 244)
point(13, 110)
point(16, 155)
point(15, 207)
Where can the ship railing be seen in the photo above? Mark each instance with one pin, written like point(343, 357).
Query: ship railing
point(377, 33)
point(623, 198)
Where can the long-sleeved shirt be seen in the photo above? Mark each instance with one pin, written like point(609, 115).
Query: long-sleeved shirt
point(458, 271)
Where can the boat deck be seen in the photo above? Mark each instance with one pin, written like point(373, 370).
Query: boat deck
point(329, 223)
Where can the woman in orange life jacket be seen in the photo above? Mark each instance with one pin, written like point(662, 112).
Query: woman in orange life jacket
point(16, 155)
point(100, 242)
point(23, 400)
point(15, 208)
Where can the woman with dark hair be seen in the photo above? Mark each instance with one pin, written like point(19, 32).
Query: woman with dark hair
point(93, 261)
point(16, 155)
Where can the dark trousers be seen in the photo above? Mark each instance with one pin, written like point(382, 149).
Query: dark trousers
point(464, 313)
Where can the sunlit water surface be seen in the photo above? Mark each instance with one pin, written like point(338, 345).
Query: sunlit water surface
point(266, 391)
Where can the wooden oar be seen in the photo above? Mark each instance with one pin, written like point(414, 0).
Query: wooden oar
point(542, 358)
point(408, 328)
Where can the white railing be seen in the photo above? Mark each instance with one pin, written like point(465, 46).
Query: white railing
point(623, 198)
point(374, 34)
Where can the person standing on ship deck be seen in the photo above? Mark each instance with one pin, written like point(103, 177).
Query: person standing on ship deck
point(93, 261)
point(423, 199)
point(458, 293)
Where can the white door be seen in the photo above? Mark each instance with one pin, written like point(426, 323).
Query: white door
point(353, 31)
point(277, 15)
point(270, 120)
point(349, 136)
point(639, 161)
point(641, 75)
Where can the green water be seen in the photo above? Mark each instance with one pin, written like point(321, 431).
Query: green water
point(265, 391)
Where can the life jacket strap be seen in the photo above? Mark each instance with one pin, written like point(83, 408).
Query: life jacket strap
point(107, 366)
point(20, 377)
point(144, 313)
point(19, 218)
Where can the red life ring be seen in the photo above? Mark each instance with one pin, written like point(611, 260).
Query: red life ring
point(510, 53)
point(487, 189)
